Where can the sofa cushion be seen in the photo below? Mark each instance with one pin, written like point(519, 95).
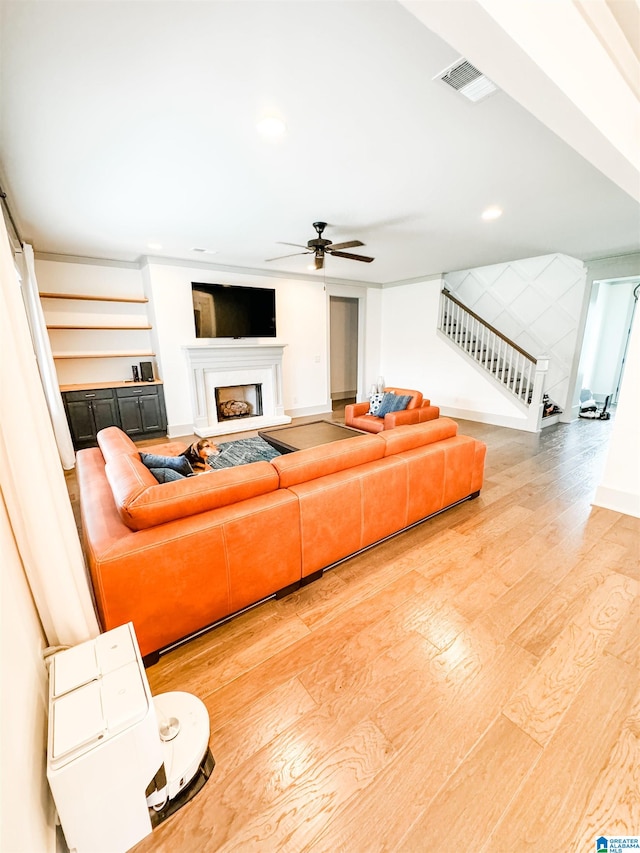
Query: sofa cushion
point(314, 462)
point(366, 423)
point(393, 403)
point(142, 502)
point(417, 435)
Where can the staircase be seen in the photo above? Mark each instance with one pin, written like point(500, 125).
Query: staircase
point(519, 374)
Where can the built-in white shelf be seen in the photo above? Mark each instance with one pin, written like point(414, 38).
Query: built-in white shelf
point(93, 328)
point(63, 345)
point(90, 297)
point(128, 354)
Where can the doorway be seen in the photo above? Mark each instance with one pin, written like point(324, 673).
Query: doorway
point(606, 336)
point(344, 345)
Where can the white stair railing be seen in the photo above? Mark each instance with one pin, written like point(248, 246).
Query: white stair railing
point(519, 373)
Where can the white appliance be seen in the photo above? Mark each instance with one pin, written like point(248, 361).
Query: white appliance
point(117, 757)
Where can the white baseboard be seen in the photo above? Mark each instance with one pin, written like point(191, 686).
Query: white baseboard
point(618, 501)
point(179, 430)
point(486, 418)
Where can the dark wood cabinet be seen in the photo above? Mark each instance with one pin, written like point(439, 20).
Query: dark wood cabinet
point(138, 409)
point(88, 412)
point(142, 411)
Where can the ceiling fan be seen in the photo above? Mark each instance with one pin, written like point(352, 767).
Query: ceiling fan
point(320, 246)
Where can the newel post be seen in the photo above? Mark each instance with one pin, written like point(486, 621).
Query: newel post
point(534, 419)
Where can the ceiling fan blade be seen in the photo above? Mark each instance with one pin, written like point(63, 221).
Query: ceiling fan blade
point(350, 244)
point(281, 257)
point(352, 257)
point(299, 245)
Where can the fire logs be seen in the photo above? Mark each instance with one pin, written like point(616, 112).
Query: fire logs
point(234, 409)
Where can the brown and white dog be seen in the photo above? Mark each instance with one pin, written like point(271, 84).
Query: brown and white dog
point(199, 452)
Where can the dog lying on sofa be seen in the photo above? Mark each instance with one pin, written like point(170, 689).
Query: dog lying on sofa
point(193, 460)
point(199, 453)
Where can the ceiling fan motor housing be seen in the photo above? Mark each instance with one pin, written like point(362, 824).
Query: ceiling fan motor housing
point(319, 243)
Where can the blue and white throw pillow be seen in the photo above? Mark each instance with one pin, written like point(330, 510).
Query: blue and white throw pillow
point(375, 401)
point(393, 403)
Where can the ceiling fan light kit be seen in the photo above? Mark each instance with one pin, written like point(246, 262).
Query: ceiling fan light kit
point(319, 247)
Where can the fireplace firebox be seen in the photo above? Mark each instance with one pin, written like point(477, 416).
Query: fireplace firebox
point(239, 401)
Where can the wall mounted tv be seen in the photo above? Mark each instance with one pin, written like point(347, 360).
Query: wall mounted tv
point(227, 311)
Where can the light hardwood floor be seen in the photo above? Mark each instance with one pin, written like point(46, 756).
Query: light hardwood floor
point(472, 684)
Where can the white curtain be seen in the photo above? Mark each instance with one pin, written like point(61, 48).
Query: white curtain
point(44, 358)
point(32, 481)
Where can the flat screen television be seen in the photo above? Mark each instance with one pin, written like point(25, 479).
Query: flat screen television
point(229, 311)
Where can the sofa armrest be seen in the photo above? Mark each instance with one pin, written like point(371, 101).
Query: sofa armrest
point(401, 418)
point(355, 410)
point(428, 413)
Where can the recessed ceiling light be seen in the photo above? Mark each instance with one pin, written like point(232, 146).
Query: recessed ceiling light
point(492, 213)
point(204, 251)
point(155, 246)
point(271, 126)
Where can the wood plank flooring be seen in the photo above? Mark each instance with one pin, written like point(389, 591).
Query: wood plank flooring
point(472, 684)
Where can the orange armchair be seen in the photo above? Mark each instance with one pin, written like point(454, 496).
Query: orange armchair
point(418, 410)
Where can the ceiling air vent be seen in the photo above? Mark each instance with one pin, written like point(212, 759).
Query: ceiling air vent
point(466, 79)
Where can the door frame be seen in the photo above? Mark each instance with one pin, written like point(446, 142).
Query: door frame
point(360, 295)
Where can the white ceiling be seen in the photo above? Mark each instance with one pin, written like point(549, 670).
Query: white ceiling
point(129, 123)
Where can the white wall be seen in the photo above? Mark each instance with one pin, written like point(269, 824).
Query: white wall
point(537, 303)
point(302, 325)
point(414, 356)
point(26, 807)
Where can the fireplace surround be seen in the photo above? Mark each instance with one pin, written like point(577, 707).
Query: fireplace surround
point(233, 366)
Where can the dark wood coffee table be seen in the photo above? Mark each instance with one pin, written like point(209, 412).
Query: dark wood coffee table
point(289, 438)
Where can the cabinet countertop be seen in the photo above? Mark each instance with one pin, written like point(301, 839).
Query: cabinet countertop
point(87, 386)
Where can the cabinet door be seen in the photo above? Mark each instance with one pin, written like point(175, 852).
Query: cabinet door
point(130, 416)
point(81, 422)
point(151, 413)
point(105, 413)
point(142, 410)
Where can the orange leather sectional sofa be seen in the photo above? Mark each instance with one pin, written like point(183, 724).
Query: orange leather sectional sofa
point(177, 557)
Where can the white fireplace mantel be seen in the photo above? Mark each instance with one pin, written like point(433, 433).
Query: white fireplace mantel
point(219, 365)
